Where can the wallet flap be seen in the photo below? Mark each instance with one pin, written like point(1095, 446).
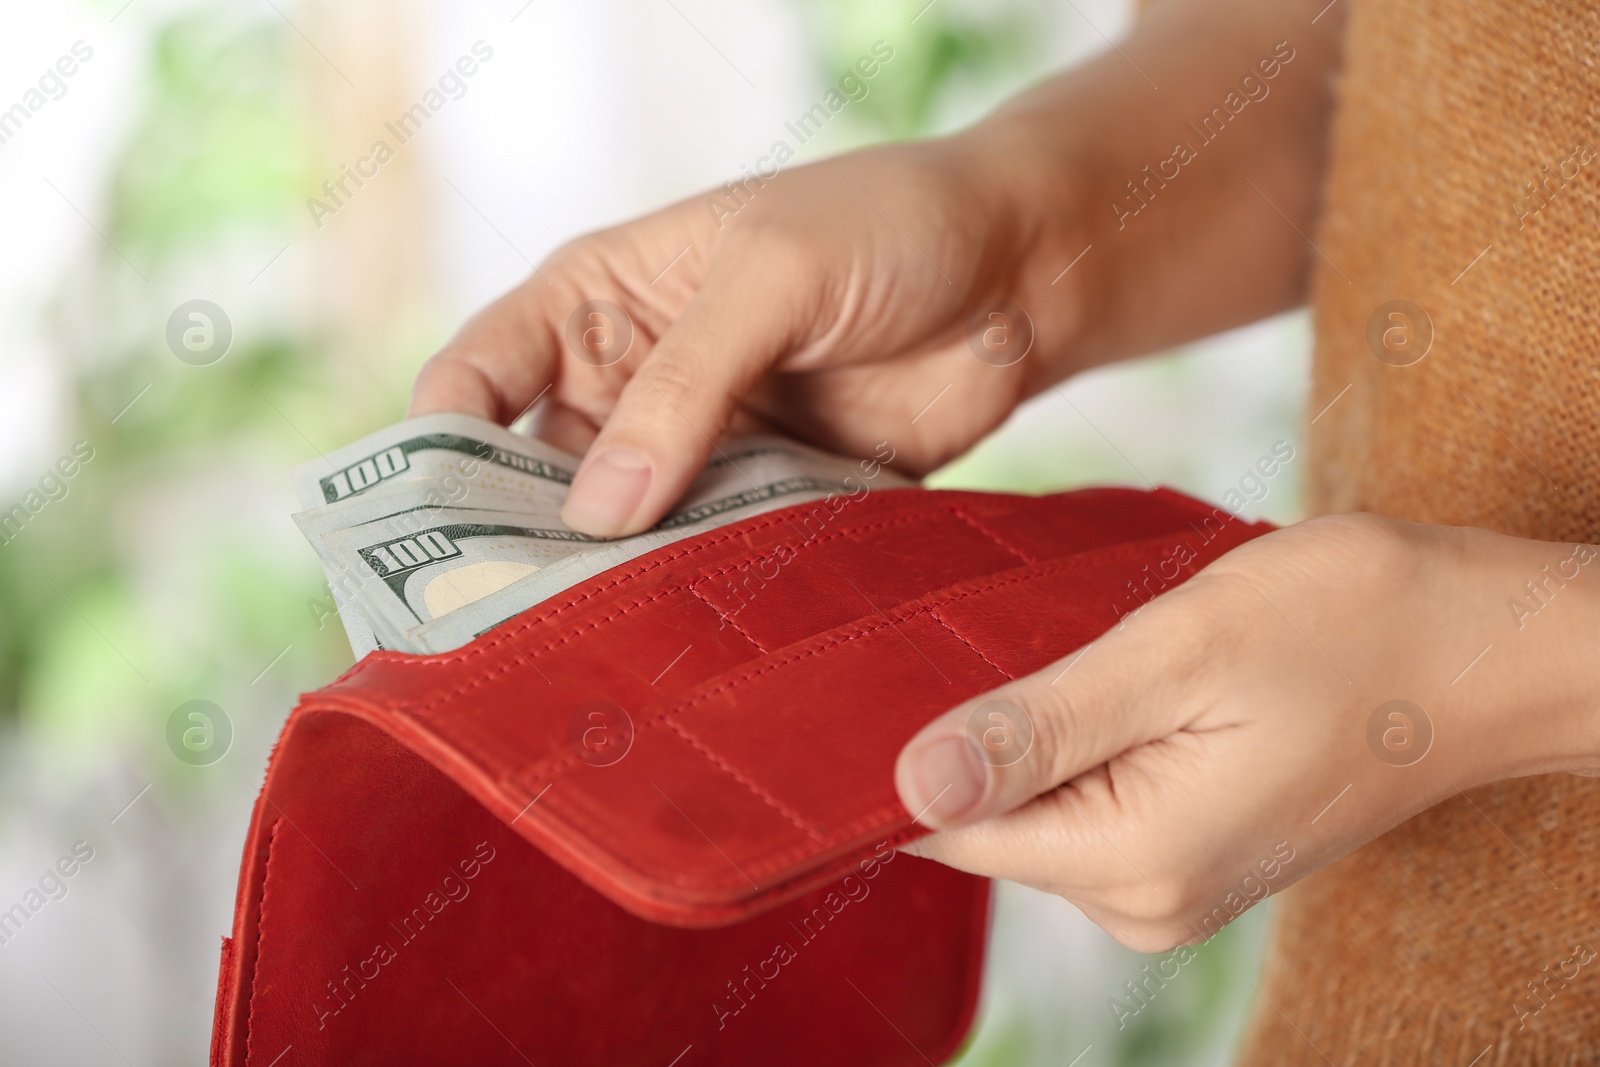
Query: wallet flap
point(710, 730)
point(385, 916)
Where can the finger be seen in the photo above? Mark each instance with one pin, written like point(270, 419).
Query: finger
point(498, 362)
point(564, 426)
point(672, 410)
point(572, 430)
point(997, 751)
point(1062, 834)
point(1126, 848)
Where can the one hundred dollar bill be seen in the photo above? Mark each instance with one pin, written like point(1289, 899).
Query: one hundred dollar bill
point(414, 572)
point(408, 505)
point(456, 628)
point(445, 450)
point(442, 447)
point(437, 530)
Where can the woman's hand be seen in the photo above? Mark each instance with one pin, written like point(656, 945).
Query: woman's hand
point(834, 302)
point(842, 301)
point(1241, 730)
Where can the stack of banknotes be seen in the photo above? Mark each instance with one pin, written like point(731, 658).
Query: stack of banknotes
point(438, 529)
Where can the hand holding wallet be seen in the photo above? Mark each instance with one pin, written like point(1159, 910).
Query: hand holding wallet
point(652, 820)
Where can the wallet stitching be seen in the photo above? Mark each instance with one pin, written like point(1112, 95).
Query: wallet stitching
point(853, 828)
point(527, 655)
point(597, 830)
point(870, 821)
point(560, 766)
point(261, 929)
point(961, 514)
point(504, 634)
point(900, 615)
point(744, 563)
point(835, 535)
point(1007, 675)
point(771, 801)
point(726, 618)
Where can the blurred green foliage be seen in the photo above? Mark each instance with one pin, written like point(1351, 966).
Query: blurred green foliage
point(221, 144)
point(941, 48)
point(121, 610)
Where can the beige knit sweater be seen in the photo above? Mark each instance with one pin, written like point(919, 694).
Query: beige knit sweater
point(1465, 179)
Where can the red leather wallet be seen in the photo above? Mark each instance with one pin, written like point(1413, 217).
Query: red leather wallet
point(652, 820)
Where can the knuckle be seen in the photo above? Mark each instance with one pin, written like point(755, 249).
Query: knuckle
point(1358, 524)
point(1204, 924)
point(1069, 720)
point(777, 250)
point(452, 373)
point(583, 268)
point(1326, 548)
point(789, 252)
point(1059, 730)
point(432, 366)
point(1199, 627)
point(575, 253)
point(1161, 905)
point(1195, 627)
point(1152, 938)
point(1356, 543)
point(675, 380)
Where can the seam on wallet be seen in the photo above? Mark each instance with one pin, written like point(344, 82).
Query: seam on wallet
point(601, 831)
point(771, 801)
point(505, 634)
point(727, 619)
point(961, 513)
point(934, 613)
point(778, 861)
point(261, 930)
point(527, 656)
point(832, 535)
point(598, 830)
point(663, 717)
point(899, 615)
point(572, 635)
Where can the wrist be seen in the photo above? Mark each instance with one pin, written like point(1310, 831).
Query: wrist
point(1551, 612)
point(1045, 257)
point(1526, 616)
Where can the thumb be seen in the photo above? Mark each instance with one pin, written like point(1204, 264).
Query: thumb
point(668, 417)
point(1000, 750)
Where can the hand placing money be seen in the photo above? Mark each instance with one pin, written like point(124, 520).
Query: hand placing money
point(440, 528)
point(809, 312)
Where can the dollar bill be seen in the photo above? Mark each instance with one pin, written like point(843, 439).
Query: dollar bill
point(459, 528)
point(443, 447)
point(456, 628)
point(409, 504)
point(419, 566)
point(356, 628)
point(445, 450)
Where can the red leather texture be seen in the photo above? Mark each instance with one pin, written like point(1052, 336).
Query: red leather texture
point(449, 863)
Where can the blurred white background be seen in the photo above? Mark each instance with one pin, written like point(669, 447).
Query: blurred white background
point(176, 165)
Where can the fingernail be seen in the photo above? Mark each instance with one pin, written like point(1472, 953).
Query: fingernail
point(949, 780)
point(607, 491)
